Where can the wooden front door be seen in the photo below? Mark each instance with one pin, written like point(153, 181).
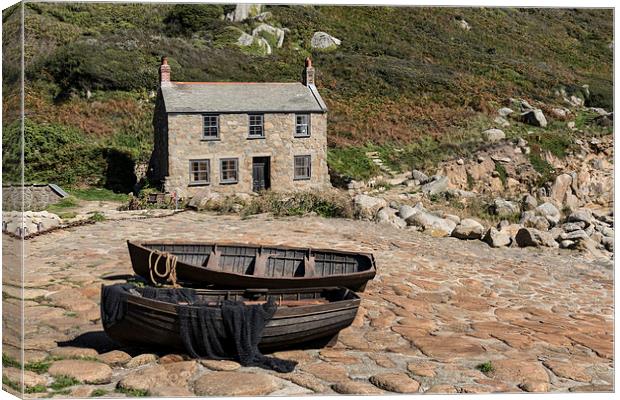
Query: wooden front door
point(260, 173)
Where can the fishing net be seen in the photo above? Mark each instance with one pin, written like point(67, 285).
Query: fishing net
point(230, 330)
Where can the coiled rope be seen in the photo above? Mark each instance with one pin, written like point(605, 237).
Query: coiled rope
point(170, 267)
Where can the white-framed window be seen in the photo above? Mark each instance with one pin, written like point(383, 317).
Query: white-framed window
point(229, 170)
point(210, 127)
point(256, 128)
point(302, 168)
point(302, 125)
point(199, 172)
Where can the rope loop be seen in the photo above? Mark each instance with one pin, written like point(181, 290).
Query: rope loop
point(170, 267)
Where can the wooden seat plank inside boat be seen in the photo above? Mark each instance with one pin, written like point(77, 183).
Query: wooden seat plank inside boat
point(265, 261)
point(250, 266)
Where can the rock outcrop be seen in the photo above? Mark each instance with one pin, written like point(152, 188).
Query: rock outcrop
point(324, 41)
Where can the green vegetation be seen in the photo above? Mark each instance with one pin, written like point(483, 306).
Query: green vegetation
point(325, 204)
point(36, 389)
point(501, 171)
point(13, 385)
point(98, 194)
point(8, 361)
point(485, 367)
point(132, 392)
point(39, 367)
point(99, 393)
point(351, 163)
point(541, 166)
point(63, 381)
point(406, 82)
point(97, 217)
point(64, 208)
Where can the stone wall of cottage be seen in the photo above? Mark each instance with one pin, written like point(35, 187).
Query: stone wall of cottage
point(185, 143)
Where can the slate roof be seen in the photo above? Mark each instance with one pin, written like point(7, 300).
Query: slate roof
point(235, 97)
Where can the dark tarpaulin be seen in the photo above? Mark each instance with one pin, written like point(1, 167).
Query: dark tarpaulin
point(231, 330)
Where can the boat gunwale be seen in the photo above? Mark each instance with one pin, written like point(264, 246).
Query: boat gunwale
point(372, 271)
point(171, 308)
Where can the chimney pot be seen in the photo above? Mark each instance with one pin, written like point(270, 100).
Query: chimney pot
point(308, 76)
point(164, 72)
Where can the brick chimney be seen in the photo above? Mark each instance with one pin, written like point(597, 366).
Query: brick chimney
point(164, 72)
point(308, 76)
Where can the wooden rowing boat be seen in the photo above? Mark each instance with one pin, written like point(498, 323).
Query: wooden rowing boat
point(304, 318)
point(250, 266)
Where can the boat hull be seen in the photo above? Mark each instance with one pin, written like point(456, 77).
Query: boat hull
point(193, 269)
point(153, 323)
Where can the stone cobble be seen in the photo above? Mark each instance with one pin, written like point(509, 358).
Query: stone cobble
point(437, 313)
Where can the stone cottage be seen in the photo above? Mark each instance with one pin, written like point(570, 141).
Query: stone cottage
point(239, 137)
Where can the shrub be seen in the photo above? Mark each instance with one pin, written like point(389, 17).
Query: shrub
point(330, 203)
point(485, 367)
point(541, 166)
point(190, 18)
point(52, 153)
point(503, 175)
point(351, 162)
point(100, 65)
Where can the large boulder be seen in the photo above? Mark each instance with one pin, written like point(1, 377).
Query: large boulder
point(406, 211)
point(494, 135)
point(468, 229)
point(419, 176)
point(278, 33)
point(528, 202)
point(505, 208)
point(322, 40)
point(530, 237)
point(432, 224)
point(505, 111)
point(575, 236)
point(550, 212)
point(244, 11)
point(366, 207)
point(608, 242)
point(581, 215)
point(203, 198)
point(534, 118)
point(530, 219)
point(495, 238)
point(510, 230)
point(387, 215)
point(438, 185)
point(560, 188)
point(245, 40)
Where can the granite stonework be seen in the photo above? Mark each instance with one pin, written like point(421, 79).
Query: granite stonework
point(185, 143)
point(34, 197)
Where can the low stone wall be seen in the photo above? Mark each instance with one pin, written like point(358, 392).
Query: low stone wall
point(36, 197)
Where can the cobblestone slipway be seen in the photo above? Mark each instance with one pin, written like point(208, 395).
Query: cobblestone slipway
point(437, 309)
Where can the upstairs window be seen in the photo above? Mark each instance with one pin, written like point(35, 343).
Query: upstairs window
point(229, 170)
point(302, 168)
point(256, 126)
point(199, 171)
point(210, 127)
point(302, 125)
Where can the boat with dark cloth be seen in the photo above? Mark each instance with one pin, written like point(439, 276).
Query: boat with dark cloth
point(148, 316)
point(249, 266)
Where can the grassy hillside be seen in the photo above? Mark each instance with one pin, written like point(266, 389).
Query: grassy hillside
point(403, 78)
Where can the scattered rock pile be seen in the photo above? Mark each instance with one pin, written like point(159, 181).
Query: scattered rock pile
point(539, 225)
